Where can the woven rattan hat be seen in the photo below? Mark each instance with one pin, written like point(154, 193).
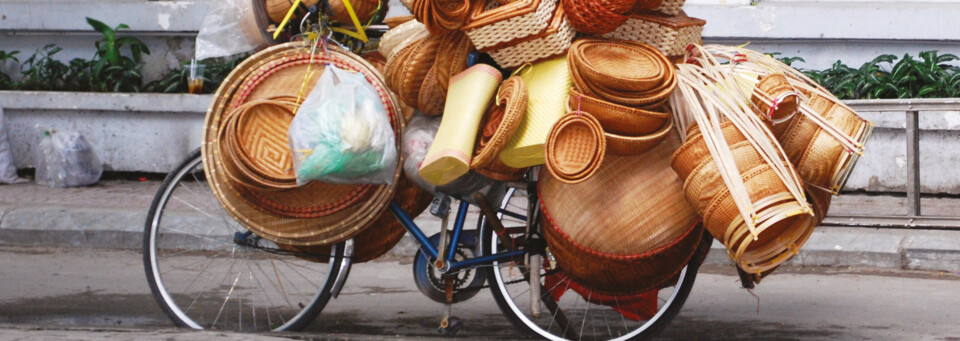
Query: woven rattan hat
point(469, 96)
point(500, 122)
point(618, 119)
point(575, 148)
point(648, 233)
point(342, 210)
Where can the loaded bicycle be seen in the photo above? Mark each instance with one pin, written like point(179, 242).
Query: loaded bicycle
point(223, 250)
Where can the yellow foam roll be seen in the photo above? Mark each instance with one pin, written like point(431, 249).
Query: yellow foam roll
point(468, 97)
point(548, 85)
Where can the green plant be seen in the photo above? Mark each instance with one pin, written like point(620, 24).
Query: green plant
point(786, 60)
point(41, 71)
point(6, 82)
point(111, 69)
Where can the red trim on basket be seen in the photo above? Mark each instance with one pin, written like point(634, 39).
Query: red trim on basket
point(654, 252)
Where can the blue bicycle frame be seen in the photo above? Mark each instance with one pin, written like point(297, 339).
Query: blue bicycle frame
point(431, 251)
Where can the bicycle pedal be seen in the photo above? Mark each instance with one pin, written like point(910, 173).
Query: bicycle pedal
point(440, 206)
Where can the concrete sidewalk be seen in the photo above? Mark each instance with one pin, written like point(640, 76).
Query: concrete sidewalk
point(111, 214)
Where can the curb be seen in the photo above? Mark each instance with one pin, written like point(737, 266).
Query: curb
point(64, 226)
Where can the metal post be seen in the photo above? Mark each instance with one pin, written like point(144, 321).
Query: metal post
point(913, 164)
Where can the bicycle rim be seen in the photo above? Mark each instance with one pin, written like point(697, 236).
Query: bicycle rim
point(203, 279)
point(582, 314)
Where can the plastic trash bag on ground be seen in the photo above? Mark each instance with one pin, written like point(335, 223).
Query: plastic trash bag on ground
point(341, 132)
point(8, 173)
point(66, 159)
point(230, 27)
point(416, 142)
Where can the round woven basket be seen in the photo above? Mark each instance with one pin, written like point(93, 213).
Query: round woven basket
point(442, 16)
point(255, 144)
point(818, 157)
point(575, 148)
point(632, 145)
point(626, 229)
point(344, 210)
point(597, 16)
point(693, 152)
point(500, 121)
point(597, 69)
point(618, 119)
point(408, 69)
point(775, 89)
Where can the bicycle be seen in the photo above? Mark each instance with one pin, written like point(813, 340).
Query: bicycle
point(207, 271)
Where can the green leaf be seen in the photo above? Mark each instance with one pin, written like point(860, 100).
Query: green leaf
point(949, 57)
point(926, 90)
point(99, 26)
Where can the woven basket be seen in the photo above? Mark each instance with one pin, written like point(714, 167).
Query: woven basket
point(616, 118)
point(398, 38)
point(500, 122)
point(495, 24)
point(632, 145)
point(451, 59)
point(256, 146)
point(627, 229)
point(669, 34)
point(364, 9)
point(346, 212)
point(575, 148)
point(819, 158)
point(671, 7)
point(409, 67)
point(277, 9)
point(595, 72)
point(385, 232)
point(785, 224)
point(553, 41)
point(776, 90)
point(255, 22)
point(597, 16)
point(442, 16)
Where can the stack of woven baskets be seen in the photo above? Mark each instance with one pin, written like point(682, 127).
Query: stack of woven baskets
point(249, 164)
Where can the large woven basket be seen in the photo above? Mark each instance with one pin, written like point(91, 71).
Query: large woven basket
point(495, 23)
point(818, 157)
point(552, 41)
point(626, 229)
point(669, 34)
point(786, 225)
point(344, 212)
point(597, 17)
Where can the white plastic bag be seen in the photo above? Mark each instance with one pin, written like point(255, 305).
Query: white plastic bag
point(8, 173)
point(417, 139)
point(341, 132)
point(228, 28)
point(66, 159)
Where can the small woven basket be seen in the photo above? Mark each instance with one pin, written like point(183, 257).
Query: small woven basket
point(618, 119)
point(553, 41)
point(597, 17)
point(575, 148)
point(776, 99)
point(495, 24)
point(595, 72)
point(625, 230)
point(669, 34)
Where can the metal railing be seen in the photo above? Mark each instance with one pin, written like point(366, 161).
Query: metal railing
point(914, 217)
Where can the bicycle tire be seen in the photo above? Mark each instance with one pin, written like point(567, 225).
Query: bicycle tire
point(520, 317)
point(205, 239)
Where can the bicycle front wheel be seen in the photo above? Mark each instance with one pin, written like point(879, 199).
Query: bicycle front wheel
point(563, 310)
point(208, 272)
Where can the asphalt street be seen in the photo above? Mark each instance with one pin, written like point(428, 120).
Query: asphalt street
point(81, 294)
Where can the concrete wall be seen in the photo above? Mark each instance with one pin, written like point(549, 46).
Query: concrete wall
point(142, 132)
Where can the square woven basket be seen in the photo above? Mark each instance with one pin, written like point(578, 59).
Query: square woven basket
point(494, 24)
point(552, 41)
point(669, 34)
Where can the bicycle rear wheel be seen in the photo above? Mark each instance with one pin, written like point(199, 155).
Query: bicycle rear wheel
point(565, 310)
point(209, 272)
